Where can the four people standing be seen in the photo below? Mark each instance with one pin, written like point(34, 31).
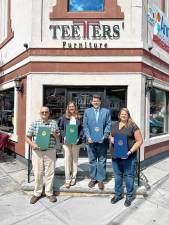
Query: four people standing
point(98, 131)
point(97, 125)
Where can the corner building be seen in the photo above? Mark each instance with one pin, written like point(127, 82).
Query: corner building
point(59, 50)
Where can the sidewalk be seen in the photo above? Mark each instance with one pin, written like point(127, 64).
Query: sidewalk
point(79, 210)
point(14, 173)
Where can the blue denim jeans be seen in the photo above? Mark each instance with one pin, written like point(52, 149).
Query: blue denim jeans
point(126, 168)
point(97, 154)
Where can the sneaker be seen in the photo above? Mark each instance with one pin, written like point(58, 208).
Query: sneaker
point(67, 184)
point(92, 183)
point(52, 198)
point(73, 182)
point(127, 203)
point(34, 199)
point(115, 199)
point(101, 185)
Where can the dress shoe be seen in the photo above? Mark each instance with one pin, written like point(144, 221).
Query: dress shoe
point(127, 202)
point(52, 198)
point(92, 183)
point(115, 199)
point(101, 185)
point(34, 199)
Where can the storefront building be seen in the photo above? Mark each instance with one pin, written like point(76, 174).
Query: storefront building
point(61, 50)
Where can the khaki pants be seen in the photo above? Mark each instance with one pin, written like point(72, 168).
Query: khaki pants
point(71, 161)
point(44, 161)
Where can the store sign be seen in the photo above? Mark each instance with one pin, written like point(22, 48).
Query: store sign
point(86, 34)
point(160, 24)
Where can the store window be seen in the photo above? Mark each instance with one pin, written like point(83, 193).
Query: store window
point(83, 5)
point(56, 99)
point(7, 110)
point(158, 112)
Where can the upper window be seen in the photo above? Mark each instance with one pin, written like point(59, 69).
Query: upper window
point(83, 5)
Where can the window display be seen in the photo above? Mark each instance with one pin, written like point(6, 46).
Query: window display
point(158, 115)
point(7, 110)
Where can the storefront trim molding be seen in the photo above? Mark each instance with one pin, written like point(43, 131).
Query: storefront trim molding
point(90, 59)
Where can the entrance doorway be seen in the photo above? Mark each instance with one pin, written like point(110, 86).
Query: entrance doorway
point(56, 98)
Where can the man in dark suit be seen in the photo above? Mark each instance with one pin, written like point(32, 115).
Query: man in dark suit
point(97, 125)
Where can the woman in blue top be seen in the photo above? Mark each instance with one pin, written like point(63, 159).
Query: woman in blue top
point(71, 151)
point(125, 166)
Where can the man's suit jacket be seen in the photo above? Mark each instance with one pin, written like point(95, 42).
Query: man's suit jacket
point(89, 121)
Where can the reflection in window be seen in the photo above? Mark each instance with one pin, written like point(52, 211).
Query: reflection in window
point(54, 98)
point(158, 118)
point(83, 5)
point(7, 110)
point(115, 100)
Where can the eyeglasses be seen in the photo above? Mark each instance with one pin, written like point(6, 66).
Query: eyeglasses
point(44, 112)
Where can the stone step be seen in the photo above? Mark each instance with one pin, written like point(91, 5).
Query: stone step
point(81, 186)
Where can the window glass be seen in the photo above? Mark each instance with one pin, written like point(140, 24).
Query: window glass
point(7, 110)
point(54, 98)
point(115, 100)
point(83, 5)
point(158, 116)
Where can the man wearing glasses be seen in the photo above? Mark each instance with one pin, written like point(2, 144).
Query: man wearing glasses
point(43, 160)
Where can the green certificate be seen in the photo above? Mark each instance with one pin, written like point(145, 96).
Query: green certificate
point(43, 137)
point(71, 134)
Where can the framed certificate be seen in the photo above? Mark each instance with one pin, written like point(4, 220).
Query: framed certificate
point(120, 146)
point(71, 134)
point(43, 137)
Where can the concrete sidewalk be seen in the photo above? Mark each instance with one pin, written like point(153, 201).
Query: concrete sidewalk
point(79, 210)
point(14, 172)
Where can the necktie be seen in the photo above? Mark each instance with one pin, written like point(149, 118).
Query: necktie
point(97, 114)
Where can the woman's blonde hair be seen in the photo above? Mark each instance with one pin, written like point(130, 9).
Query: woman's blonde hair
point(75, 114)
point(130, 121)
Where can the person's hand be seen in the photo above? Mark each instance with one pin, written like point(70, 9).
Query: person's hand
point(56, 135)
point(64, 140)
point(90, 141)
point(112, 140)
point(35, 146)
point(129, 152)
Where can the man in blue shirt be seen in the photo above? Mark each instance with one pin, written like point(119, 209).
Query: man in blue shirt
point(97, 125)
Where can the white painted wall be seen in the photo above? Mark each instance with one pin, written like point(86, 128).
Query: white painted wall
point(21, 17)
point(30, 23)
